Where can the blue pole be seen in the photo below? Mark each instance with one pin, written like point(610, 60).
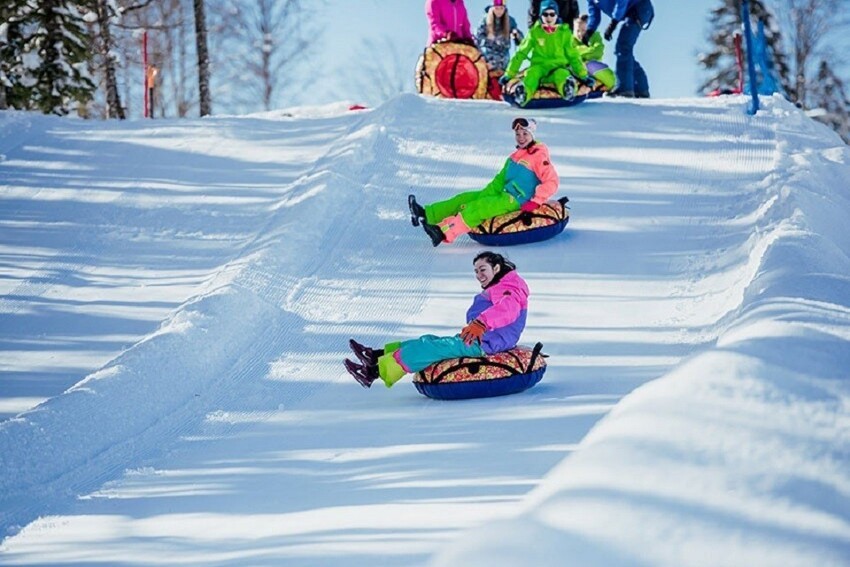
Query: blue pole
point(751, 66)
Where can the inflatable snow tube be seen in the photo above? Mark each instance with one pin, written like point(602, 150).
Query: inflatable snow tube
point(498, 374)
point(452, 70)
point(547, 221)
point(547, 95)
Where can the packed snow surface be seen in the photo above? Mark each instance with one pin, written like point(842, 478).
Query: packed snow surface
point(176, 299)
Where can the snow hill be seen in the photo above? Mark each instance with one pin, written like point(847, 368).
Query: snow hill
point(176, 298)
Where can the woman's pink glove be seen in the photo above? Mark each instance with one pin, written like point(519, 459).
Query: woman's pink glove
point(529, 206)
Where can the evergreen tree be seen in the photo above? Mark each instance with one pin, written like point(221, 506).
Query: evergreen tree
point(719, 61)
point(829, 99)
point(13, 15)
point(45, 56)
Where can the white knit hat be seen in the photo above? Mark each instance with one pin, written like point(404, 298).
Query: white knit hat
point(527, 124)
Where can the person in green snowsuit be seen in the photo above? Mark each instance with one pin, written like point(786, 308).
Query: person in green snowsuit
point(549, 49)
point(526, 181)
point(595, 47)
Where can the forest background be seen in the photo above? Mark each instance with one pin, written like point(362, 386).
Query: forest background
point(86, 57)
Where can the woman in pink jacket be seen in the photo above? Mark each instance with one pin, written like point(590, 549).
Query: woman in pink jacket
point(495, 321)
point(448, 20)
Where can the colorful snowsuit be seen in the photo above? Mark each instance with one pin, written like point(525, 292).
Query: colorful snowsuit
point(636, 16)
point(528, 175)
point(593, 51)
point(502, 307)
point(549, 54)
point(446, 16)
point(497, 50)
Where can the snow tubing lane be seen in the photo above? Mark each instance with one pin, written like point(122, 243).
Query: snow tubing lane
point(498, 374)
point(520, 227)
point(452, 70)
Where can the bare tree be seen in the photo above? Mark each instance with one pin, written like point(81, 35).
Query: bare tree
point(260, 47)
point(169, 24)
point(378, 70)
point(811, 28)
point(203, 57)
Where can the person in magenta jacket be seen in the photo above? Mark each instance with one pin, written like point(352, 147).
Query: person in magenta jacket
point(494, 323)
point(448, 20)
point(527, 180)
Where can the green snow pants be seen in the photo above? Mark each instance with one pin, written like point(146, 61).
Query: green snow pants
point(474, 206)
point(536, 74)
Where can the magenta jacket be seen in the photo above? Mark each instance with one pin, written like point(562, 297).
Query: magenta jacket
point(447, 16)
point(503, 308)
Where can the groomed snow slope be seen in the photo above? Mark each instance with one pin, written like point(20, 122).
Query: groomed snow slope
point(204, 276)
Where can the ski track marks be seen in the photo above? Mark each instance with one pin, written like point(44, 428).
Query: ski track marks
point(296, 463)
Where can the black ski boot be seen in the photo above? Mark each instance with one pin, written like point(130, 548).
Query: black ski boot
point(434, 232)
point(364, 375)
point(417, 211)
point(519, 94)
point(367, 356)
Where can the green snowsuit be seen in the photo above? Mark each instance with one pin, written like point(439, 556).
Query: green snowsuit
point(593, 50)
point(549, 55)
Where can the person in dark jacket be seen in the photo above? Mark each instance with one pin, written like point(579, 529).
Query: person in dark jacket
point(494, 36)
point(636, 16)
point(568, 11)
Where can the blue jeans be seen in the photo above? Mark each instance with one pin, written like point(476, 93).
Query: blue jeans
point(631, 78)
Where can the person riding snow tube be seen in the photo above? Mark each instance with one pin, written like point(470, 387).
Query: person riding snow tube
point(494, 323)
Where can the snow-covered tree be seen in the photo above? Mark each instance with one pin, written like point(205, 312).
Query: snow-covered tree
point(13, 15)
point(50, 52)
point(719, 60)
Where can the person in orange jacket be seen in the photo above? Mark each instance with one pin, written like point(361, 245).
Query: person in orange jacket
point(527, 180)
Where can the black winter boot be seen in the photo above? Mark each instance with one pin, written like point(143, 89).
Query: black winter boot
point(435, 233)
point(364, 375)
point(417, 211)
point(367, 356)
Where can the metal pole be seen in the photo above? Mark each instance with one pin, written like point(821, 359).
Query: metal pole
point(145, 70)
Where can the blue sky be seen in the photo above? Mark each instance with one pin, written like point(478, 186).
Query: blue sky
point(667, 51)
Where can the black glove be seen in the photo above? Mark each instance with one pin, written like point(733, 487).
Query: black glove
point(503, 80)
point(585, 38)
point(609, 31)
point(589, 82)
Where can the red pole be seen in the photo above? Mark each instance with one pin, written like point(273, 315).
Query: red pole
point(145, 69)
point(739, 60)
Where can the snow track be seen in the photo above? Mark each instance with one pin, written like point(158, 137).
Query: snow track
point(231, 435)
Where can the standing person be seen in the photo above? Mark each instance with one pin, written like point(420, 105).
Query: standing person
point(636, 16)
point(549, 49)
point(494, 36)
point(567, 10)
point(525, 182)
point(494, 323)
point(448, 21)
